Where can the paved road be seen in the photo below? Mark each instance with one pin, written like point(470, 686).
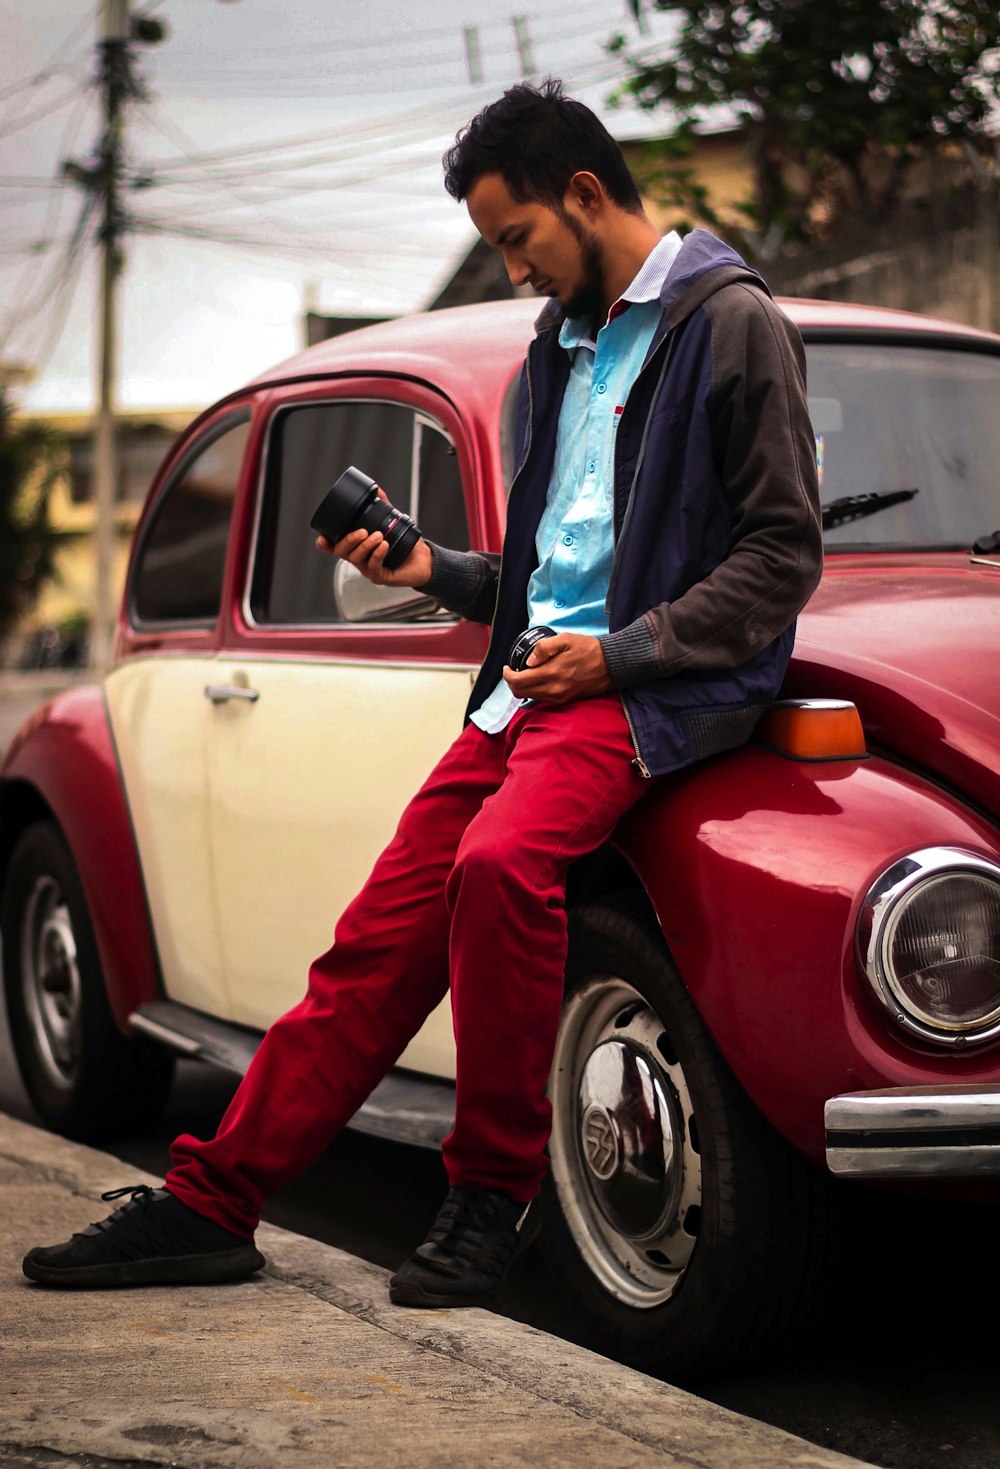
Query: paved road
point(903, 1370)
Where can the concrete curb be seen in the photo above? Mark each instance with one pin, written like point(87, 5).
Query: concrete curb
point(308, 1364)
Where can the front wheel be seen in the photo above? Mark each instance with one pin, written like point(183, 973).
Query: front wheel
point(85, 1079)
point(679, 1221)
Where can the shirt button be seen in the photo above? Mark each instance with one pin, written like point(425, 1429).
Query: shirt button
point(602, 387)
point(592, 467)
point(567, 540)
point(559, 603)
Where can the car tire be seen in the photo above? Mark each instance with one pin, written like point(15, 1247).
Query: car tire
point(85, 1079)
point(682, 1226)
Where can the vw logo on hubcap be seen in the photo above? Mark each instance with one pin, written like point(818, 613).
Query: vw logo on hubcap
point(600, 1142)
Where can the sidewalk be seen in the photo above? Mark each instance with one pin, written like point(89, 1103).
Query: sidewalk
point(308, 1366)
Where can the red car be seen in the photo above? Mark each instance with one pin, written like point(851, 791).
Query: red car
point(786, 963)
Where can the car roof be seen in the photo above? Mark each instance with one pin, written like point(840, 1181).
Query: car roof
point(442, 346)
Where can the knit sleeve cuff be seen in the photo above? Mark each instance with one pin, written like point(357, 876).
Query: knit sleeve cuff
point(458, 578)
point(631, 654)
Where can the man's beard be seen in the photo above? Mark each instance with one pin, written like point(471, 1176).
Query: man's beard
point(587, 299)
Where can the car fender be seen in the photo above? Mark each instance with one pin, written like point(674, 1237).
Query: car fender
point(62, 763)
point(757, 867)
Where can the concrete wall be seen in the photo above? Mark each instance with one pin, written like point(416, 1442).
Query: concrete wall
point(938, 252)
point(941, 258)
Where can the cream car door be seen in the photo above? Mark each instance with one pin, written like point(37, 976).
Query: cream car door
point(161, 718)
point(321, 742)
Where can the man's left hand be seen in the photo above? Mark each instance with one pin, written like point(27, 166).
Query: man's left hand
point(560, 669)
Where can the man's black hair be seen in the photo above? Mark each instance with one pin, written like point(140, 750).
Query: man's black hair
point(536, 139)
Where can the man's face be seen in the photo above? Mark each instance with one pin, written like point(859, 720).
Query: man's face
point(552, 250)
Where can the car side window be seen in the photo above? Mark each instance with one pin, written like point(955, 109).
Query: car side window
point(440, 508)
point(181, 558)
point(408, 454)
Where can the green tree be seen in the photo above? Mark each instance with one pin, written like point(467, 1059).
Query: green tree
point(838, 101)
point(30, 463)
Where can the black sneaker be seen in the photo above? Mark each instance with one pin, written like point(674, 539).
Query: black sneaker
point(154, 1239)
point(467, 1253)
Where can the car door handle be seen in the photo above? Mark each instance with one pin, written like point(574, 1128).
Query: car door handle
point(219, 693)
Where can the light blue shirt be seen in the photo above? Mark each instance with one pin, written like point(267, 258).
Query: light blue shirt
point(575, 537)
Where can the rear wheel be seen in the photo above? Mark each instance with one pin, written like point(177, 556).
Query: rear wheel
point(85, 1079)
point(679, 1221)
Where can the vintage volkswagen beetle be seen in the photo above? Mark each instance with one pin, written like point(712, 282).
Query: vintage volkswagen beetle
point(808, 925)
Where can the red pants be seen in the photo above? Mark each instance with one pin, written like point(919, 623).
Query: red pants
point(472, 886)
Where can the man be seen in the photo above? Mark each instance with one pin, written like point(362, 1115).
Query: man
point(664, 524)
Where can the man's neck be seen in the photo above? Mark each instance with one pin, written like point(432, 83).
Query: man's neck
point(626, 249)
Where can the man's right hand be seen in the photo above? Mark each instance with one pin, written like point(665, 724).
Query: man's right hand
point(368, 552)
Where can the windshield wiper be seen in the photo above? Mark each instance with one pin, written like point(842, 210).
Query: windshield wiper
point(856, 507)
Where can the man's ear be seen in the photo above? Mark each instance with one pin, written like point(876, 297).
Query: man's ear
point(586, 191)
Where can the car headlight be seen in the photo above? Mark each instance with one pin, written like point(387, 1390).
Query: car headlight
point(929, 942)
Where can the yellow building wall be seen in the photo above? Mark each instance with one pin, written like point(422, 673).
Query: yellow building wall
point(720, 162)
point(71, 591)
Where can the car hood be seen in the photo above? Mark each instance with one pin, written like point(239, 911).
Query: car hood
point(915, 647)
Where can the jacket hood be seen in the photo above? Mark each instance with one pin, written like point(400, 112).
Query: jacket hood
point(915, 648)
point(704, 264)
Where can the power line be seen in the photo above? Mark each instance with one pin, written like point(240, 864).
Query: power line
point(50, 68)
point(46, 111)
point(27, 181)
point(172, 132)
point(321, 245)
point(60, 314)
point(51, 283)
point(57, 189)
point(271, 183)
point(393, 128)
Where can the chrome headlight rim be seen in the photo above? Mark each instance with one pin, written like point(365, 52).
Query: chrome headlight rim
point(876, 926)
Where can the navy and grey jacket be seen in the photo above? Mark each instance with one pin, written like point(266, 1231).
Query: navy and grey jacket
point(716, 513)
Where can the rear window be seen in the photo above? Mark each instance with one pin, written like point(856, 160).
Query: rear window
point(179, 565)
point(891, 418)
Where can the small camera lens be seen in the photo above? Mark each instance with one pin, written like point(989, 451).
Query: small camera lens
point(524, 643)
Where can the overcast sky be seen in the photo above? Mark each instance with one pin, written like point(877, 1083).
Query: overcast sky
point(290, 152)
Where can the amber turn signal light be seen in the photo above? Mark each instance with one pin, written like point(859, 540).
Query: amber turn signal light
point(813, 729)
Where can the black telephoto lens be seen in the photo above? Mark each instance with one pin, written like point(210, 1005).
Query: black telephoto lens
point(354, 503)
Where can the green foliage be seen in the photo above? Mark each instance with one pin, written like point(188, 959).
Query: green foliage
point(838, 100)
point(30, 463)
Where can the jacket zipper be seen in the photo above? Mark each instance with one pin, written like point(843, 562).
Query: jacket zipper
point(666, 345)
point(638, 763)
point(520, 467)
point(531, 423)
point(668, 339)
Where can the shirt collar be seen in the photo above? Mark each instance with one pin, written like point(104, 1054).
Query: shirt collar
point(646, 286)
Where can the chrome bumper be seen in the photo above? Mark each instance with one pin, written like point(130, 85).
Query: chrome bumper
point(915, 1132)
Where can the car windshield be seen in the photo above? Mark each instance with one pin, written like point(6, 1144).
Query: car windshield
point(891, 417)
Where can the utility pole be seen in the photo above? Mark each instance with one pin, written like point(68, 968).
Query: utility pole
point(104, 179)
point(473, 57)
point(523, 41)
point(116, 82)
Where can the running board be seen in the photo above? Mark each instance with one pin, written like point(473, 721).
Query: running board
point(404, 1107)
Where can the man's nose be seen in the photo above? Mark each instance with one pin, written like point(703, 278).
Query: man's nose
point(518, 270)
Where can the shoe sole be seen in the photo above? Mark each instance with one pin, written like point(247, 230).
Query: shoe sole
point(409, 1293)
point(216, 1268)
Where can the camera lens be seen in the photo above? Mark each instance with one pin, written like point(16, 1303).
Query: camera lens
point(354, 504)
point(524, 643)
